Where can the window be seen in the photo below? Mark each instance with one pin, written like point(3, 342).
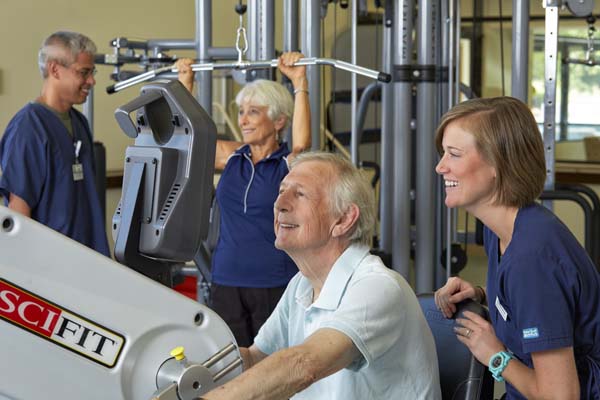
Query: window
point(578, 85)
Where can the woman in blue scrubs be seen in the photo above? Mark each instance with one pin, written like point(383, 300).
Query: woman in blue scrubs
point(543, 291)
point(249, 274)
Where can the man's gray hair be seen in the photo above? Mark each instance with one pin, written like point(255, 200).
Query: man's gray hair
point(63, 47)
point(350, 187)
point(273, 95)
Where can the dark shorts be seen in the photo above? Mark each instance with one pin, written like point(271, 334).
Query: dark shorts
point(244, 310)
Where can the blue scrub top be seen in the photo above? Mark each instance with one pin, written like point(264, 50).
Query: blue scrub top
point(37, 154)
point(245, 255)
point(545, 294)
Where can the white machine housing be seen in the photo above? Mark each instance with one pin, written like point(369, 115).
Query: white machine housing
point(77, 325)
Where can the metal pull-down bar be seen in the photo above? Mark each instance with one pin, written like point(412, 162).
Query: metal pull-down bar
point(248, 65)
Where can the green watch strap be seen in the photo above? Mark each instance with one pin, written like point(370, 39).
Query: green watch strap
point(498, 363)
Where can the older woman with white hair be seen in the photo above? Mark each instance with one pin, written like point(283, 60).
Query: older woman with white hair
point(249, 274)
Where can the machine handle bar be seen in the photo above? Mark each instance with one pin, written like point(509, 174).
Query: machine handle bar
point(244, 65)
point(218, 357)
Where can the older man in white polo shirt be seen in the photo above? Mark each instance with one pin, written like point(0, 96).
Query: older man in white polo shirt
point(347, 327)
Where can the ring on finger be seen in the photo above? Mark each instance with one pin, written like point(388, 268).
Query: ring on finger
point(468, 333)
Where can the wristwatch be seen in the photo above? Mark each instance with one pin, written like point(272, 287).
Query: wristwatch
point(498, 363)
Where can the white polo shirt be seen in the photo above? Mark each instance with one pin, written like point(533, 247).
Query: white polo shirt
point(377, 309)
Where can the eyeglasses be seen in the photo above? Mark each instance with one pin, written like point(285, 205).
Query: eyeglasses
point(84, 73)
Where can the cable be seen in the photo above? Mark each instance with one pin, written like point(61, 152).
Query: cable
point(241, 32)
point(323, 89)
point(378, 32)
point(501, 48)
point(331, 121)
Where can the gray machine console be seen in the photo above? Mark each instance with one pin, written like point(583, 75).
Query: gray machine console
point(168, 180)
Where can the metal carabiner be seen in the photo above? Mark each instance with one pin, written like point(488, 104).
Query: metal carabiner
point(241, 33)
point(590, 45)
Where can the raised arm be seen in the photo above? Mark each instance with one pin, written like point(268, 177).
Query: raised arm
point(185, 73)
point(301, 137)
point(286, 372)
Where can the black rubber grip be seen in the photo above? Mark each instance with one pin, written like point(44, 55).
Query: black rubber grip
point(110, 89)
point(383, 77)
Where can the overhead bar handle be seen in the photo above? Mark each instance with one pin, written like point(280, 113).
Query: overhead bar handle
point(248, 65)
point(137, 79)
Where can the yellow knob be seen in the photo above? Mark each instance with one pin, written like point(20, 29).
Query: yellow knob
point(177, 352)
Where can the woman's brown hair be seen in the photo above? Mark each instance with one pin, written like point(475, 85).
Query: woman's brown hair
point(508, 138)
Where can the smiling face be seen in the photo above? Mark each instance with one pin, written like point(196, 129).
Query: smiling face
point(75, 80)
point(303, 217)
point(256, 126)
point(468, 178)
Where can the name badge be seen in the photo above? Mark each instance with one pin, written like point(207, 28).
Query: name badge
point(501, 309)
point(77, 172)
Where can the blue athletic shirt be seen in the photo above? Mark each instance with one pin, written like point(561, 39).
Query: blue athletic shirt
point(245, 255)
point(37, 156)
point(545, 294)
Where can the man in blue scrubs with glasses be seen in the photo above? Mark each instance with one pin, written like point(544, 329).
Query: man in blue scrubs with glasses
point(46, 152)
